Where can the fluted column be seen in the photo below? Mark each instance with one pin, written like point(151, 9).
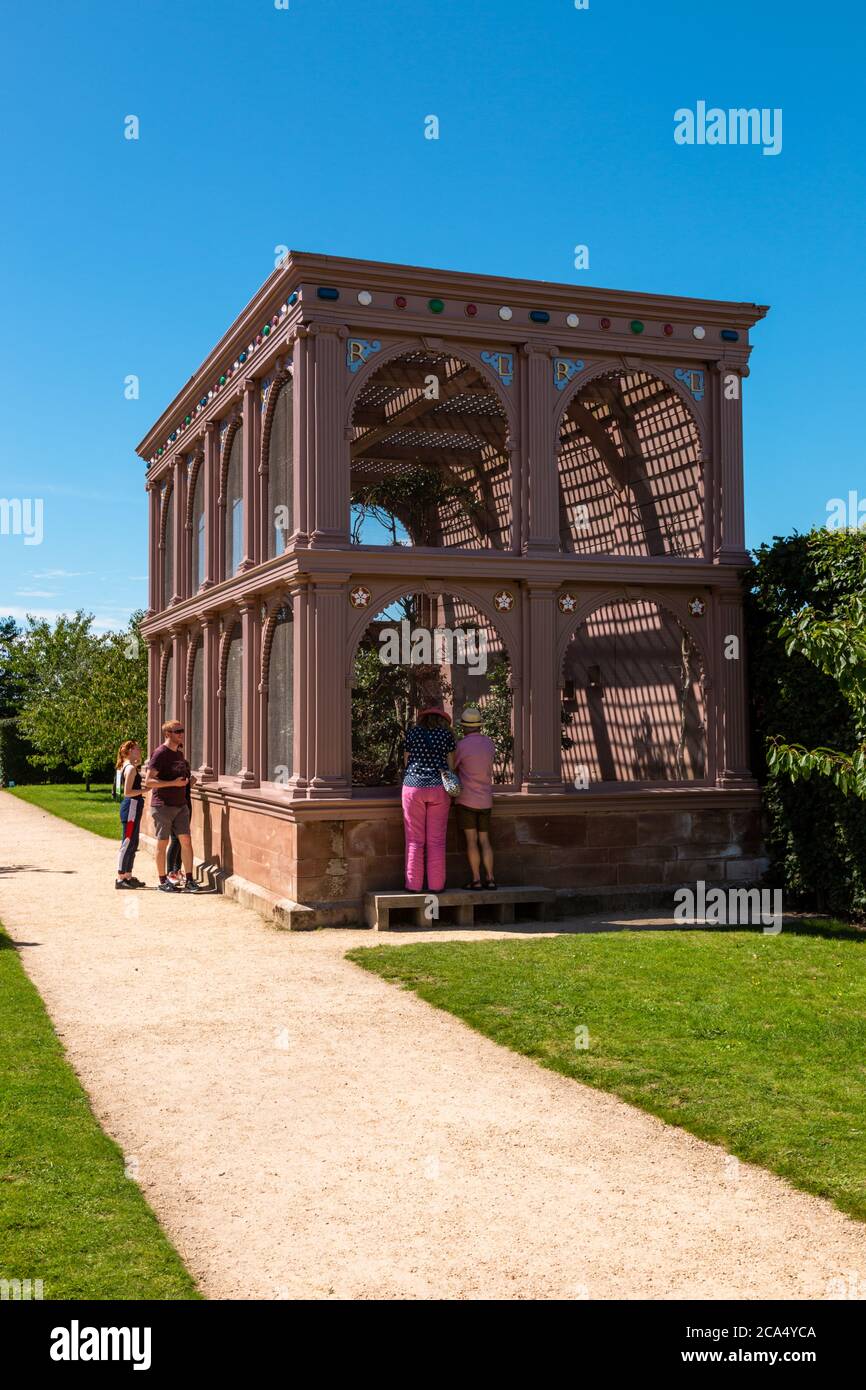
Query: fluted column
point(154, 656)
point(153, 574)
point(251, 633)
point(178, 673)
point(539, 475)
point(251, 433)
point(328, 479)
point(210, 703)
point(179, 534)
point(542, 758)
point(303, 703)
point(730, 534)
point(303, 435)
point(328, 689)
point(734, 767)
point(211, 507)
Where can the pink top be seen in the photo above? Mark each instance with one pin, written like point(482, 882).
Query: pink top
point(474, 760)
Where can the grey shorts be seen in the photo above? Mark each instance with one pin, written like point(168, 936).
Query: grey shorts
point(168, 820)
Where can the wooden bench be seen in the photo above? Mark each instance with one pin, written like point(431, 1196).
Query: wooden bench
point(457, 907)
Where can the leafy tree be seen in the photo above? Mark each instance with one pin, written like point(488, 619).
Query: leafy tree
point(805, 628)
point(79, 694)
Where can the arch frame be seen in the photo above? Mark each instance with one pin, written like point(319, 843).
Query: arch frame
point(461, 352)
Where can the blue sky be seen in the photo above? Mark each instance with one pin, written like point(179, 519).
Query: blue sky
point(304, 127)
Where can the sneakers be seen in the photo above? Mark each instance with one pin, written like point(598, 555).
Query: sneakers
point(125, 883)
point(191, 886)
point(175, 879)
point(167, 887)
point(137, 882)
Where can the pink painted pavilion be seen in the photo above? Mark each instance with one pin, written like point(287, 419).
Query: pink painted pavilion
point(555, 467)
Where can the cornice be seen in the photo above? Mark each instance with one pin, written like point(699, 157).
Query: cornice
point(303, 272)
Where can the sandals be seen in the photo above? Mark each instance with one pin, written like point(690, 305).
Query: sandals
point(490, 884)
point(476, 886)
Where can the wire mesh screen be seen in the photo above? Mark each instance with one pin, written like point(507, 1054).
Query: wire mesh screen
point(280, 708)
point(234, 703)
point(630, 471)
point(280, 466)
point(632, 699)
point(429, 453)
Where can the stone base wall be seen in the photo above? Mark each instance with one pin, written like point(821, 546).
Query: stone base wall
point(327, 857)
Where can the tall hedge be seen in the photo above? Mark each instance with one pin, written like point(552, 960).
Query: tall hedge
point(816, 835)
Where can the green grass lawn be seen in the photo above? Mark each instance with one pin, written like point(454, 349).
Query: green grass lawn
point(93, 810)
point(756, 1043)
point(68, 1215)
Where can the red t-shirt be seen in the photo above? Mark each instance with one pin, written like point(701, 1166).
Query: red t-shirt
point(167, 764)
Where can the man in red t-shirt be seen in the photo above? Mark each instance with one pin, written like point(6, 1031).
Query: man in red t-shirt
point(168, 775)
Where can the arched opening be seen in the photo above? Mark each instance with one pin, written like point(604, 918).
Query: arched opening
point(194, 738)
point(426, 648)
point(167, 546)
point(234, 504)
point(167, 692)
point(630, 472)
point(197, 525)
point(280, 471)
point(632, 699)
point(279, 675)
point(233, 704)
point(430, 464)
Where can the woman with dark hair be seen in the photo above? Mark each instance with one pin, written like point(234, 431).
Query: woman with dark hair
point(429, 753)
point(131, 807)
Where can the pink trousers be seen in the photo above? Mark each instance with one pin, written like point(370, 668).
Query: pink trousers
point(425, 817)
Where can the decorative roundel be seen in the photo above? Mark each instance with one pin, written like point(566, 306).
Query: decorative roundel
point(636, 326)
point(365, 297)
point(293, 298)
point(697, 607)
point(435, 305)
point(668, 329)
point(505, 312)
point(573, 320)
point(604, 323)
point(400, 301)
point(471, 310)
point(503, 602)
point(360, 596)
point(699, 332)
point(567, 603)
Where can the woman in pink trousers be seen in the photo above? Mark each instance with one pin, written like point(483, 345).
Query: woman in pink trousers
point(430, 748)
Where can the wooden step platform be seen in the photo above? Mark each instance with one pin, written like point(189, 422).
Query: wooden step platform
point(458, 907)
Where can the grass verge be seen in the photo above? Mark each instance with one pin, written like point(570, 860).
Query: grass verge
point(756, 1043)
point(93, 810)
point(68, 1214)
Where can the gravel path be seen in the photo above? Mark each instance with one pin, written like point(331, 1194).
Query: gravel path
point(304, 1130)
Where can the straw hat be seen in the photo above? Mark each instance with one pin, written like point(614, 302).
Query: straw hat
point(471, 717)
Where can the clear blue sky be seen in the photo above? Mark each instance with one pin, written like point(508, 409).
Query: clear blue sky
point(305, 127)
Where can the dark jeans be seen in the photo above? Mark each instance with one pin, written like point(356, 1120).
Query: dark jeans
point(131, 808)
point(173, 858)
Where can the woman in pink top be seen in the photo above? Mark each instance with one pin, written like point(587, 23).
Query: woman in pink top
point(473, 761)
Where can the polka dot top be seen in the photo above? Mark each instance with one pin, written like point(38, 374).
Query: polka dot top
point(428, 750)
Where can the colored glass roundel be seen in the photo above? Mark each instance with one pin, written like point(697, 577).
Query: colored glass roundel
point(400, 301)
point(505, 312)
point(668, 329)
point(604, 323)
point(573, 320)
point(365, 297)
point(435, 305)
point(699, 333)
point(636, 326)
point(471, 310)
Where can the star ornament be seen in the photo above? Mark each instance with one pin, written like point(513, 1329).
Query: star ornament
point(503, 601)
point(360, 597)
point(567, 603)
point(697, 607)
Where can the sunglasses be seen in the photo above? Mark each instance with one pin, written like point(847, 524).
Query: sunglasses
point(172, 732)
